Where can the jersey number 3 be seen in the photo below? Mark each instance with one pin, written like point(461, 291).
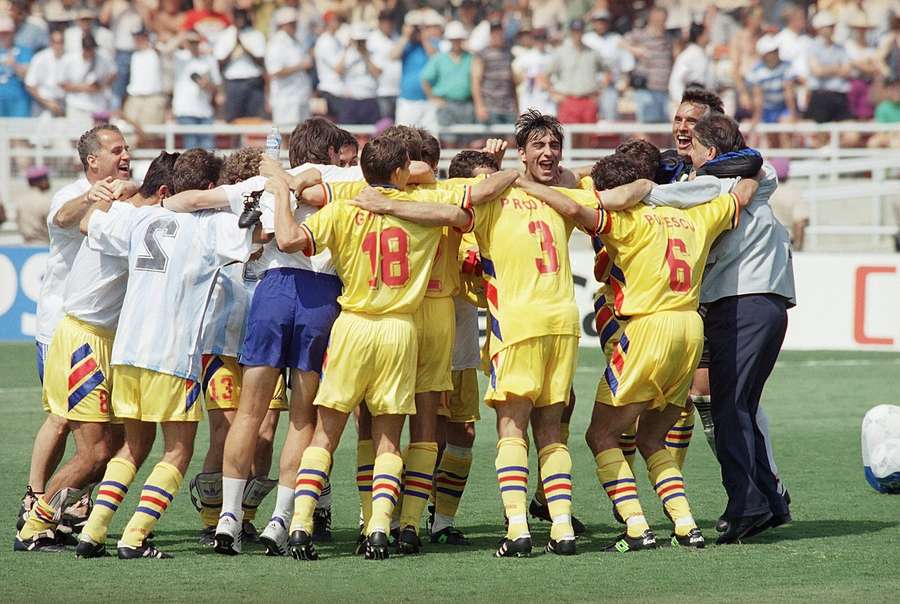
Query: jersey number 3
point(679, 269)
point(392, 249)
point(549, 259)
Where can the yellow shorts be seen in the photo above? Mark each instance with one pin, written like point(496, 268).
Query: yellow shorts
point(539, 369)
point(463, 401)
point(150, 396)
point(371, 357)
point(77, 373)
point(222, 379)
point(654, 360)
point(436, 330)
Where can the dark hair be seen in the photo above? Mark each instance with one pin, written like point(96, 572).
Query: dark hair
point(89, 143)
point(696, 30)
point(464, 163)
point(380, 157)
point(196, 169)
point(311, 140)
point(431, 148)
point(348, 139)
point(643, 153)
point(161, 172)
point(409, 138)
point(240, 165)
point(533, 123)
point(614, 171)
point(701, 96)
point(719, 131)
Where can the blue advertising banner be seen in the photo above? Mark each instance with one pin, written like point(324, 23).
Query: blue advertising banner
point(21, 273)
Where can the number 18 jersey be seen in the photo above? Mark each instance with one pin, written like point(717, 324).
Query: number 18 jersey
point(524, 246)
point(384, 263)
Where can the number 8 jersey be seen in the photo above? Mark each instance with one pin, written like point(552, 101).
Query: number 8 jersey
point(384, 263)
point(524, 246)
point(173, 260)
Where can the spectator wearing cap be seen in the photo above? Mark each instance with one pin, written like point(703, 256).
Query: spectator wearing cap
point(414, 48)
point(205, 20)
point(123, 19)
point(33, 206)
point(493, 84)
point(532, 70)
point(86, 23)
point(328, 50)
point(771, 85)
point(576, 73)
point(359, 75)
point(197, 79)
point(616, 60)
point(146, 102)
point(447, 80)
point(290, 87)
point(693, 64)
point(652, 51)
point(44, 75)
point(31, 32)
point(830, 72)
point(86, 79)
point(240, 50)
point(381, 45)
point(14, 98)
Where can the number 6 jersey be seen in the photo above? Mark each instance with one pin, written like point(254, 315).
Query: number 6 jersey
point(173, 260)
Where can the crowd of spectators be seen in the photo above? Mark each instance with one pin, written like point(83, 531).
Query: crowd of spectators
point(435, 63)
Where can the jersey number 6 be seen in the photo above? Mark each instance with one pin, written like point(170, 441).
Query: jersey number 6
point(392, 248)
point(679, 269)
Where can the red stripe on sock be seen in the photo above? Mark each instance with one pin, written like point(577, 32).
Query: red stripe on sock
point(671, 487)
point(110, 494)
point(158, 502)
point(630, 489)
point(564, 486)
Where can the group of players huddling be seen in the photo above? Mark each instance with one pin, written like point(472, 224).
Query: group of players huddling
point(360, 284)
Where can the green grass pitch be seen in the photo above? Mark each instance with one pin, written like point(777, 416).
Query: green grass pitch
point(844, 544)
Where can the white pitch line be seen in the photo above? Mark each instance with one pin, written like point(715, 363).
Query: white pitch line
point(21, 389)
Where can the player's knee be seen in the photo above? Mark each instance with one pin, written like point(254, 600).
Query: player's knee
point(648, 444)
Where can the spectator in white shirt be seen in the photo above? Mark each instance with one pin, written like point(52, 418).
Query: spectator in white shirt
point(86, 23)
point(381, 46)
point(196, 82)
point(328, 50)
point(44, 75)
point(240, 50)
point(146, 103)
point(123, 19)
point(692, 65)
point(616, 60)
point(287, 65)
point(360, 77)
point(86, 79)
point(532, 71)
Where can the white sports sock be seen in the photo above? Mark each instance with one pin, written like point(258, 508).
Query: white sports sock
point(232, 496)
point(441, 521)
point(284, 504)
point(325, 498)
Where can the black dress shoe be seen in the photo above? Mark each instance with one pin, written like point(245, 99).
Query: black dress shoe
point(774, 522)
point(738, 528)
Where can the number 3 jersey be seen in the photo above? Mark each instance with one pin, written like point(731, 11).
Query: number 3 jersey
point(173, 260)
point(661, 251)
point(524, 246)
point(384, 262)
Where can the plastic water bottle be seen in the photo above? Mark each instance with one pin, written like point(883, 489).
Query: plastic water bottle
point(273, 143)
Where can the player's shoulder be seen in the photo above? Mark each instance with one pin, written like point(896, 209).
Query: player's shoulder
point(70, 191)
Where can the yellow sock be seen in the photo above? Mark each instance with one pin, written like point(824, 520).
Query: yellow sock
point(679, 437)
point(512, 474)
point(556, 476)
point(450, 482)
point(617, 479)
point(669, 484)
point(385, 491)
point(110, 493)
point(210, 515)
point(628, 446)
point(42, 517)
point(365, 464)
point(311, 479)
point(417, 482)
point(158, 492)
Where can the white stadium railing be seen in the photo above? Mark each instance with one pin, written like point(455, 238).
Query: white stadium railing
point(821, 170)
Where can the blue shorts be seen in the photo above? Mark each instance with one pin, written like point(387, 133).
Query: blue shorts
point(290, 319)
point(40, 357)
point(773, 115)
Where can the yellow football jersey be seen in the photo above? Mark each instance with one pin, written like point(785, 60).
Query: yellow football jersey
point(383, 262)
point(524, 247)
point(444, 278)
point(470, 273)
point(660, 252)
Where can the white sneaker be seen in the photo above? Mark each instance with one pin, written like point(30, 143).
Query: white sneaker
point(274, 537)
point(228, 535)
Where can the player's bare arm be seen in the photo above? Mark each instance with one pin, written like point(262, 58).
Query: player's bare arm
point(426, 214)
point(626, 196)
point(744, 191)
point(109, 189)
point(492, 186)
point(98, 206)
point(289, 236)
point(585, 217)
point(197, 199)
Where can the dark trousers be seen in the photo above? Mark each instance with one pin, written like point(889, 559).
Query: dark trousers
point(244, 98)
point(745, 334)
